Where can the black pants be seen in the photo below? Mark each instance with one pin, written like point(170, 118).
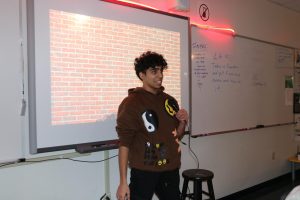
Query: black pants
point(143, 184)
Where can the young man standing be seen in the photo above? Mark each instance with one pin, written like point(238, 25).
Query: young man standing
point(149, 126)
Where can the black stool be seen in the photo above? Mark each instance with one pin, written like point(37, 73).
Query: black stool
point(197, 176)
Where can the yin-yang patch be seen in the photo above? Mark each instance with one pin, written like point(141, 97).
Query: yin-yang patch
point(150, 120)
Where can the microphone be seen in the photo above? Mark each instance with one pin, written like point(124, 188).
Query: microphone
point(171, 106)
point(173, 103)
point(174, 106)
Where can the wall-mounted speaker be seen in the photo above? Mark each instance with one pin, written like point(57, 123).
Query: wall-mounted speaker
point(181, 5)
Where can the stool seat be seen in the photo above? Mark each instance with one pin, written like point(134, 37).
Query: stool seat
point(198, 176)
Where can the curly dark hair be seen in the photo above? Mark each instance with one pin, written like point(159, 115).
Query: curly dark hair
point(149, 59)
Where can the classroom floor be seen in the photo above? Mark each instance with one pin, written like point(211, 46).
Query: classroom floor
point(275, 190)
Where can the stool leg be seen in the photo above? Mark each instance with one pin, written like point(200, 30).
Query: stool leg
point(210, 190)
point(293, 171)
point(184, 189)
point(197, 190)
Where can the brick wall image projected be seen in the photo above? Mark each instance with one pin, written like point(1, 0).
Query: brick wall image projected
point(92, 64)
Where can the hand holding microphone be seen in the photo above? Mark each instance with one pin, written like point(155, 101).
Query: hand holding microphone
point(173, 109)
point(182, 116)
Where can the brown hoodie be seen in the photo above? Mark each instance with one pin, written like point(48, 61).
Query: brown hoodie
point(145, 126)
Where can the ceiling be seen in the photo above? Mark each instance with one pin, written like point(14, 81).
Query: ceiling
point(289, 4)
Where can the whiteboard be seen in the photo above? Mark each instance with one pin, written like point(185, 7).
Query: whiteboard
point(238, 83)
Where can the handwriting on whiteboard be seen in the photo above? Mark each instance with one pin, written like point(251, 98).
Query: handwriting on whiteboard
point(214, 67)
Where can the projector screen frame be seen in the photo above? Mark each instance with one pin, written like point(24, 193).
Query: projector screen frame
point(81, 147)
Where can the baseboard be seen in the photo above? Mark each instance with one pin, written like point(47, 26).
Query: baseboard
point(283, 178)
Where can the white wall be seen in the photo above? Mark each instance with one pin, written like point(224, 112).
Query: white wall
point(56, 180)
point(11, 67)
point(239, 160)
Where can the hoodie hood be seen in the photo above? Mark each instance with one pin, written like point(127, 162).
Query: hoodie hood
point(141, 89)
